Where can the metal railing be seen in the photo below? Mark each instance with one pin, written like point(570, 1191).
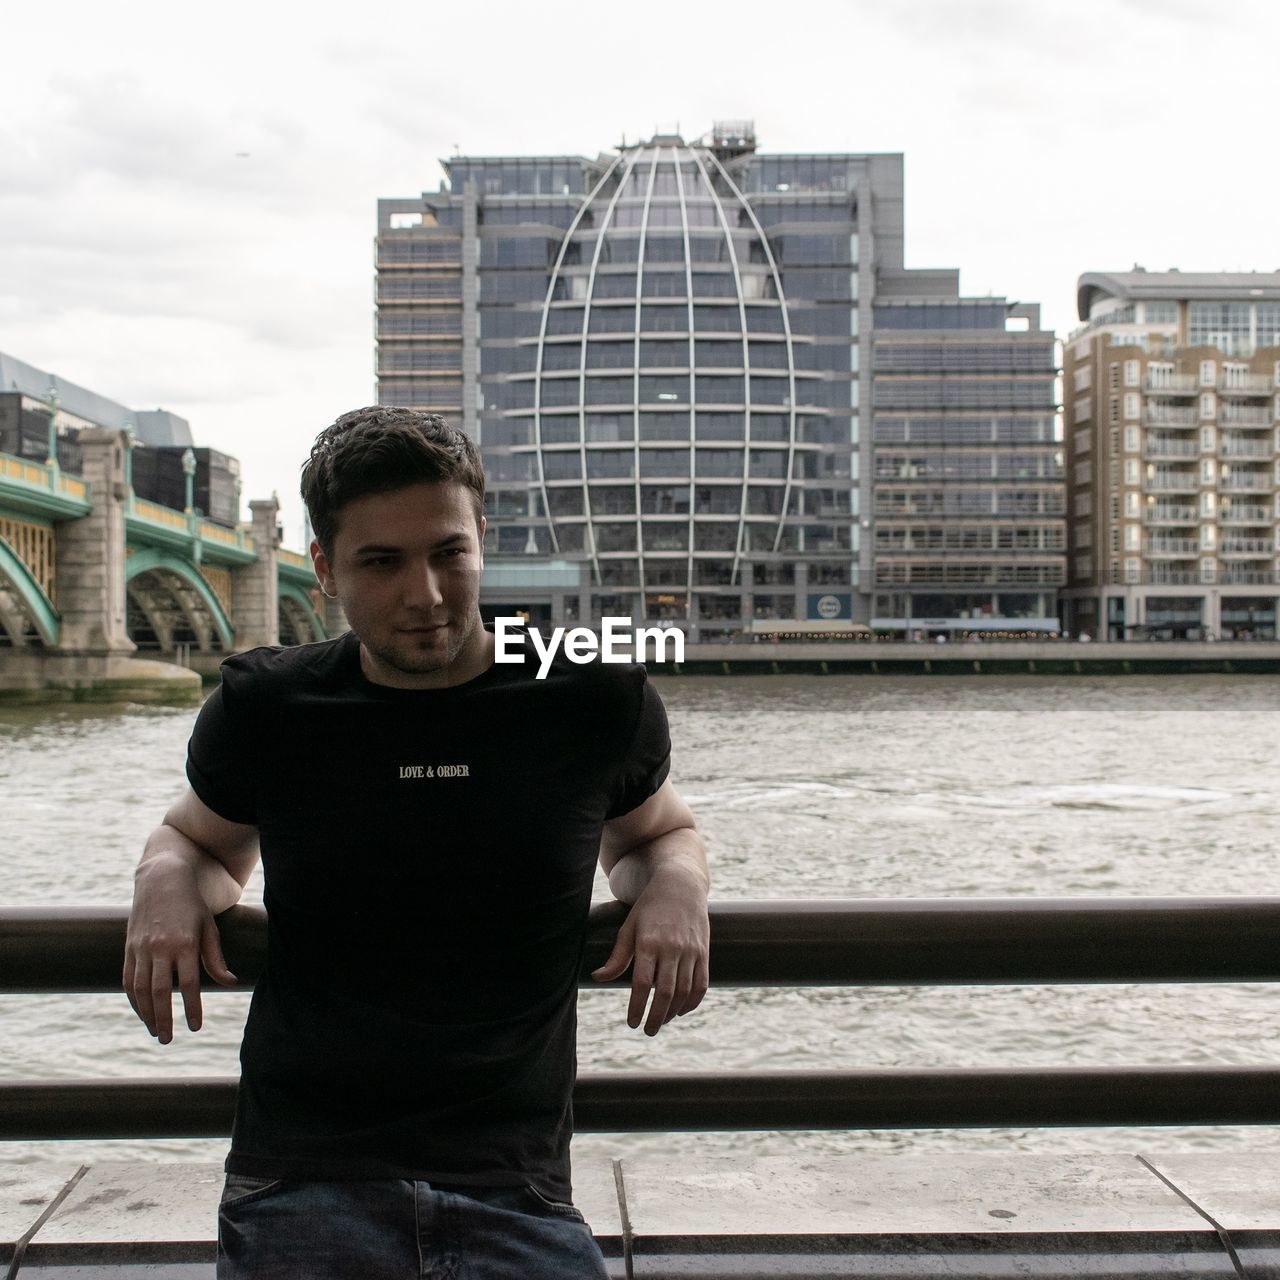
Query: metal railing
point(896, 942)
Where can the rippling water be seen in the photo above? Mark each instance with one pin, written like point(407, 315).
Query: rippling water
point(804, 787)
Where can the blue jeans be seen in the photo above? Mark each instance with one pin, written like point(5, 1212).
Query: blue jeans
point(396, 1230)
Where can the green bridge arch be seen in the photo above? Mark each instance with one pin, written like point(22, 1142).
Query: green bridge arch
point(292, 592)
point(30, 594)
point(152, 559)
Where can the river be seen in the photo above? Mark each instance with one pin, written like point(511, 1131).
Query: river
point(804, 787)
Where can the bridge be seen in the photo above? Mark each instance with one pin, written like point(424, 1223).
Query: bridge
point(106, 596)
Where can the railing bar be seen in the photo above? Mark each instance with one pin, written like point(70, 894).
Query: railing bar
point(657, 1102)
point(843, 942)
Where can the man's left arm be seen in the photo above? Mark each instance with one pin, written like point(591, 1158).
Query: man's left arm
point(655, 860)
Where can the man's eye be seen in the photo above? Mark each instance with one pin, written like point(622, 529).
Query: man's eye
point(379, 562)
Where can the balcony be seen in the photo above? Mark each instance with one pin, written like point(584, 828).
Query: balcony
point(1157, 415)
point(1171, 384)
point(1178, 548)
point(1244, 415)
point(1159, 513)
point(1250, 548)
point(1248, 384)
point(1157, 449)
point(1172, 482)
point(1244, 514)
point(1234, 575)
point(1163, 575)
point(1248, 481)
point(1246, 449)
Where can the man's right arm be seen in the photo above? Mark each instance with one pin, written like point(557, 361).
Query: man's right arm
point(194, 866)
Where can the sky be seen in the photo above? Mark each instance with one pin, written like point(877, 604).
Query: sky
point(187, 193)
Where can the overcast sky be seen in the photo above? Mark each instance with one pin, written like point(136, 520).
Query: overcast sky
point(187, 194)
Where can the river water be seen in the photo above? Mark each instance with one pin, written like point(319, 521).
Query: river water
point(804, 787)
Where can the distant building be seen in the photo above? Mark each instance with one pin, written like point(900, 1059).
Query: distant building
point(78, 407)
point(969, 502)
point(31, 398)
point(664, 353)
point(1172, 390)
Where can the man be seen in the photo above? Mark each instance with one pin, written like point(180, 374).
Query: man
point(429, 823)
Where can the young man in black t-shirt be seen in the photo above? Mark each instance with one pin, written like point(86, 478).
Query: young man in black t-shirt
point(429, 823)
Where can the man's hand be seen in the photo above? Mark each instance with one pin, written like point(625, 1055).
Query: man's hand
point(655, 859)
point(171, 932)
point(195, 864)
point(667, 937)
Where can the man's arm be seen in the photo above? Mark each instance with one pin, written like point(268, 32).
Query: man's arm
point(194, 865)
point(656, 861)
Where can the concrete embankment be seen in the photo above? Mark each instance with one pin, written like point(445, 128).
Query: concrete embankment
point(1045, 657)
point(53, 677)
point(857, 1216)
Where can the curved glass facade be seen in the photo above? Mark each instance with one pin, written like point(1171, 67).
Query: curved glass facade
point(666, 393)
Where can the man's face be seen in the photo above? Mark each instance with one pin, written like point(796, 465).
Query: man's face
point(406, 566)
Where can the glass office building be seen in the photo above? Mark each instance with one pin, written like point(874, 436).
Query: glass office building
point(661, 353)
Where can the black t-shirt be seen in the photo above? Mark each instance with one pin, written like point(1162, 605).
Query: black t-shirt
point(429, 857)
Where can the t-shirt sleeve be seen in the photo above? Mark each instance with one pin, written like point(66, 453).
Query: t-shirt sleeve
point(647, 761)
point(219, 759)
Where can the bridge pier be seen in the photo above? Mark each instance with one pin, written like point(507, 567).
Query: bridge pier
point(335, 620)
point(91, 556)
point(255, 588)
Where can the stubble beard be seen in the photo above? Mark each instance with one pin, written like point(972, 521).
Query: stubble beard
point(408, 660)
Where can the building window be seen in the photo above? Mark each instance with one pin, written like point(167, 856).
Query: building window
point(1131, 505)
point(1206, 439)
point(1115, 409)
point(1082, 440)
point(1132, 537)
point(1130, 373)
point(1207, 533)
point(1224, 325)
point(1131, 439)
point(1132, 404)
point(1207, 471)
point(1132, 569)
point(1113, 379)
point(1208, 405)
point(1208, 372)
point(1206, 570)
point(1131, 471)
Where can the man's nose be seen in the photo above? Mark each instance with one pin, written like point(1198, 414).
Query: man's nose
point(423, 586)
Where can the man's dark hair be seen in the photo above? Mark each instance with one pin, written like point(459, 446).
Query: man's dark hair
point(378, 450)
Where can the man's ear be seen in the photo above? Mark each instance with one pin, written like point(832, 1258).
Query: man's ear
point(482, 524)
point(324, 574)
